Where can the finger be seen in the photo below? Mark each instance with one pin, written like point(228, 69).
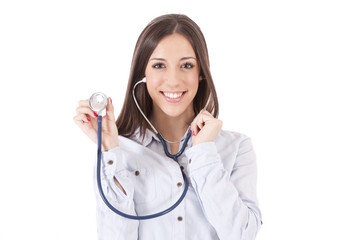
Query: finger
point(84, 103)
point(85, 126)
point(200, 121)
point(194, 124)
point(110, 110)
point(198, 127)
point(205, 112)
point(81, 118)
point(85, 110)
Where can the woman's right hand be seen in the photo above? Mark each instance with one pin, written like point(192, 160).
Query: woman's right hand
point(86, 119)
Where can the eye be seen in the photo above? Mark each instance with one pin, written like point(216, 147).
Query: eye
point(158, 66)
point(187, 65)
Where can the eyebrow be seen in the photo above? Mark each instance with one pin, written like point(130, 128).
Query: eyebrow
point(181, 59)
point(186, 58)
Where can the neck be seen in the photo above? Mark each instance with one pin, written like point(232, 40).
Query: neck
point(172, 128)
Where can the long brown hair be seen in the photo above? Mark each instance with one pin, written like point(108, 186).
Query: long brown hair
point(130, 118)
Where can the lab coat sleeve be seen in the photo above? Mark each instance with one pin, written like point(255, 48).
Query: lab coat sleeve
point(109, 224)
point(228, 198)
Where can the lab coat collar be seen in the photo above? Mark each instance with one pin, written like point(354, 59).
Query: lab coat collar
point(150, 136)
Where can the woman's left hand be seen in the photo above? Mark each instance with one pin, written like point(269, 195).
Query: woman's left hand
point(205, 128)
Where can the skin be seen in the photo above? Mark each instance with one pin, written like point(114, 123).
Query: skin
point(172, 67)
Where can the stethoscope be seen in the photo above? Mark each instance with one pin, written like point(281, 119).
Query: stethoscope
point(98, 103)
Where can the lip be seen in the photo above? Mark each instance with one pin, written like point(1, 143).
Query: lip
point(173, 100)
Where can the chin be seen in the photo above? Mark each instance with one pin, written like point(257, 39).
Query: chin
point(174, 112)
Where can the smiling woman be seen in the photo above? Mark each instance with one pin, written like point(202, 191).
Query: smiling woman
point(170, 44)
point(141, 178)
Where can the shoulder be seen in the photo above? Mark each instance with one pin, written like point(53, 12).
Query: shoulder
point(233, 141)
point(227, 137)
point(126, 140)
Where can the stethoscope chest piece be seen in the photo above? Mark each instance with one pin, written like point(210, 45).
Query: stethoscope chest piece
point(98, 102)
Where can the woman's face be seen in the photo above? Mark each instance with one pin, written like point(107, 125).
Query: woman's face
point(172, 76)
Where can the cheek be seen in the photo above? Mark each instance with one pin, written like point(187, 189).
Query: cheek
point(152, 79)
point(152, 84)
point(193, 83)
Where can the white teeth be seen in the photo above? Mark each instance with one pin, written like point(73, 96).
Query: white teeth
point(173, 95)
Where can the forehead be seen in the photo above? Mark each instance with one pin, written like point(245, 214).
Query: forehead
point(174, 46)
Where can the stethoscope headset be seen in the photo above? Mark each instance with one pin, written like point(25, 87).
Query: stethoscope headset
point(98, 103)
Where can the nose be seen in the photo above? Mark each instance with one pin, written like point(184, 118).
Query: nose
point(173, 78)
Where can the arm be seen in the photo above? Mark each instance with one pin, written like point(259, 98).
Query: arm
point(115, 182)
point(111, 225)
point(228, 197)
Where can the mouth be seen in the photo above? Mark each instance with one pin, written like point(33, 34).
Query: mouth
point(173, 97)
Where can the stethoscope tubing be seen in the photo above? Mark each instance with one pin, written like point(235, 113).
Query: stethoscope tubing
point(108, 204)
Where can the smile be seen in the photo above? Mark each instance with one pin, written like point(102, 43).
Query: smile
point(173, 97)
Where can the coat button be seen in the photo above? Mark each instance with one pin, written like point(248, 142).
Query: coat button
point(110, 162)
point(182, 167)
point(180, 219)
point(137, 173)
point(179, 184)
point(189, 161)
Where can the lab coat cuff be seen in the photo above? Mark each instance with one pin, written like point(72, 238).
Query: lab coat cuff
point(112, 163)
point(202, 155)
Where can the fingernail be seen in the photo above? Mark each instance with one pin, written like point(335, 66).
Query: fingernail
point(192, 133)
point(110, 100)
point(95, 114)
point(88, 119)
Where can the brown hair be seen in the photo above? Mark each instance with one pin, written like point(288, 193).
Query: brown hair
point(130, 118)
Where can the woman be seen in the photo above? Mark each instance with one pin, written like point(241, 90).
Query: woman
point(139, 179)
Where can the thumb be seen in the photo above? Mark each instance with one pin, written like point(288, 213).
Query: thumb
point(110, 110)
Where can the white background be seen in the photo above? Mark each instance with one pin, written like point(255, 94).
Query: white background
point(286, 72)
